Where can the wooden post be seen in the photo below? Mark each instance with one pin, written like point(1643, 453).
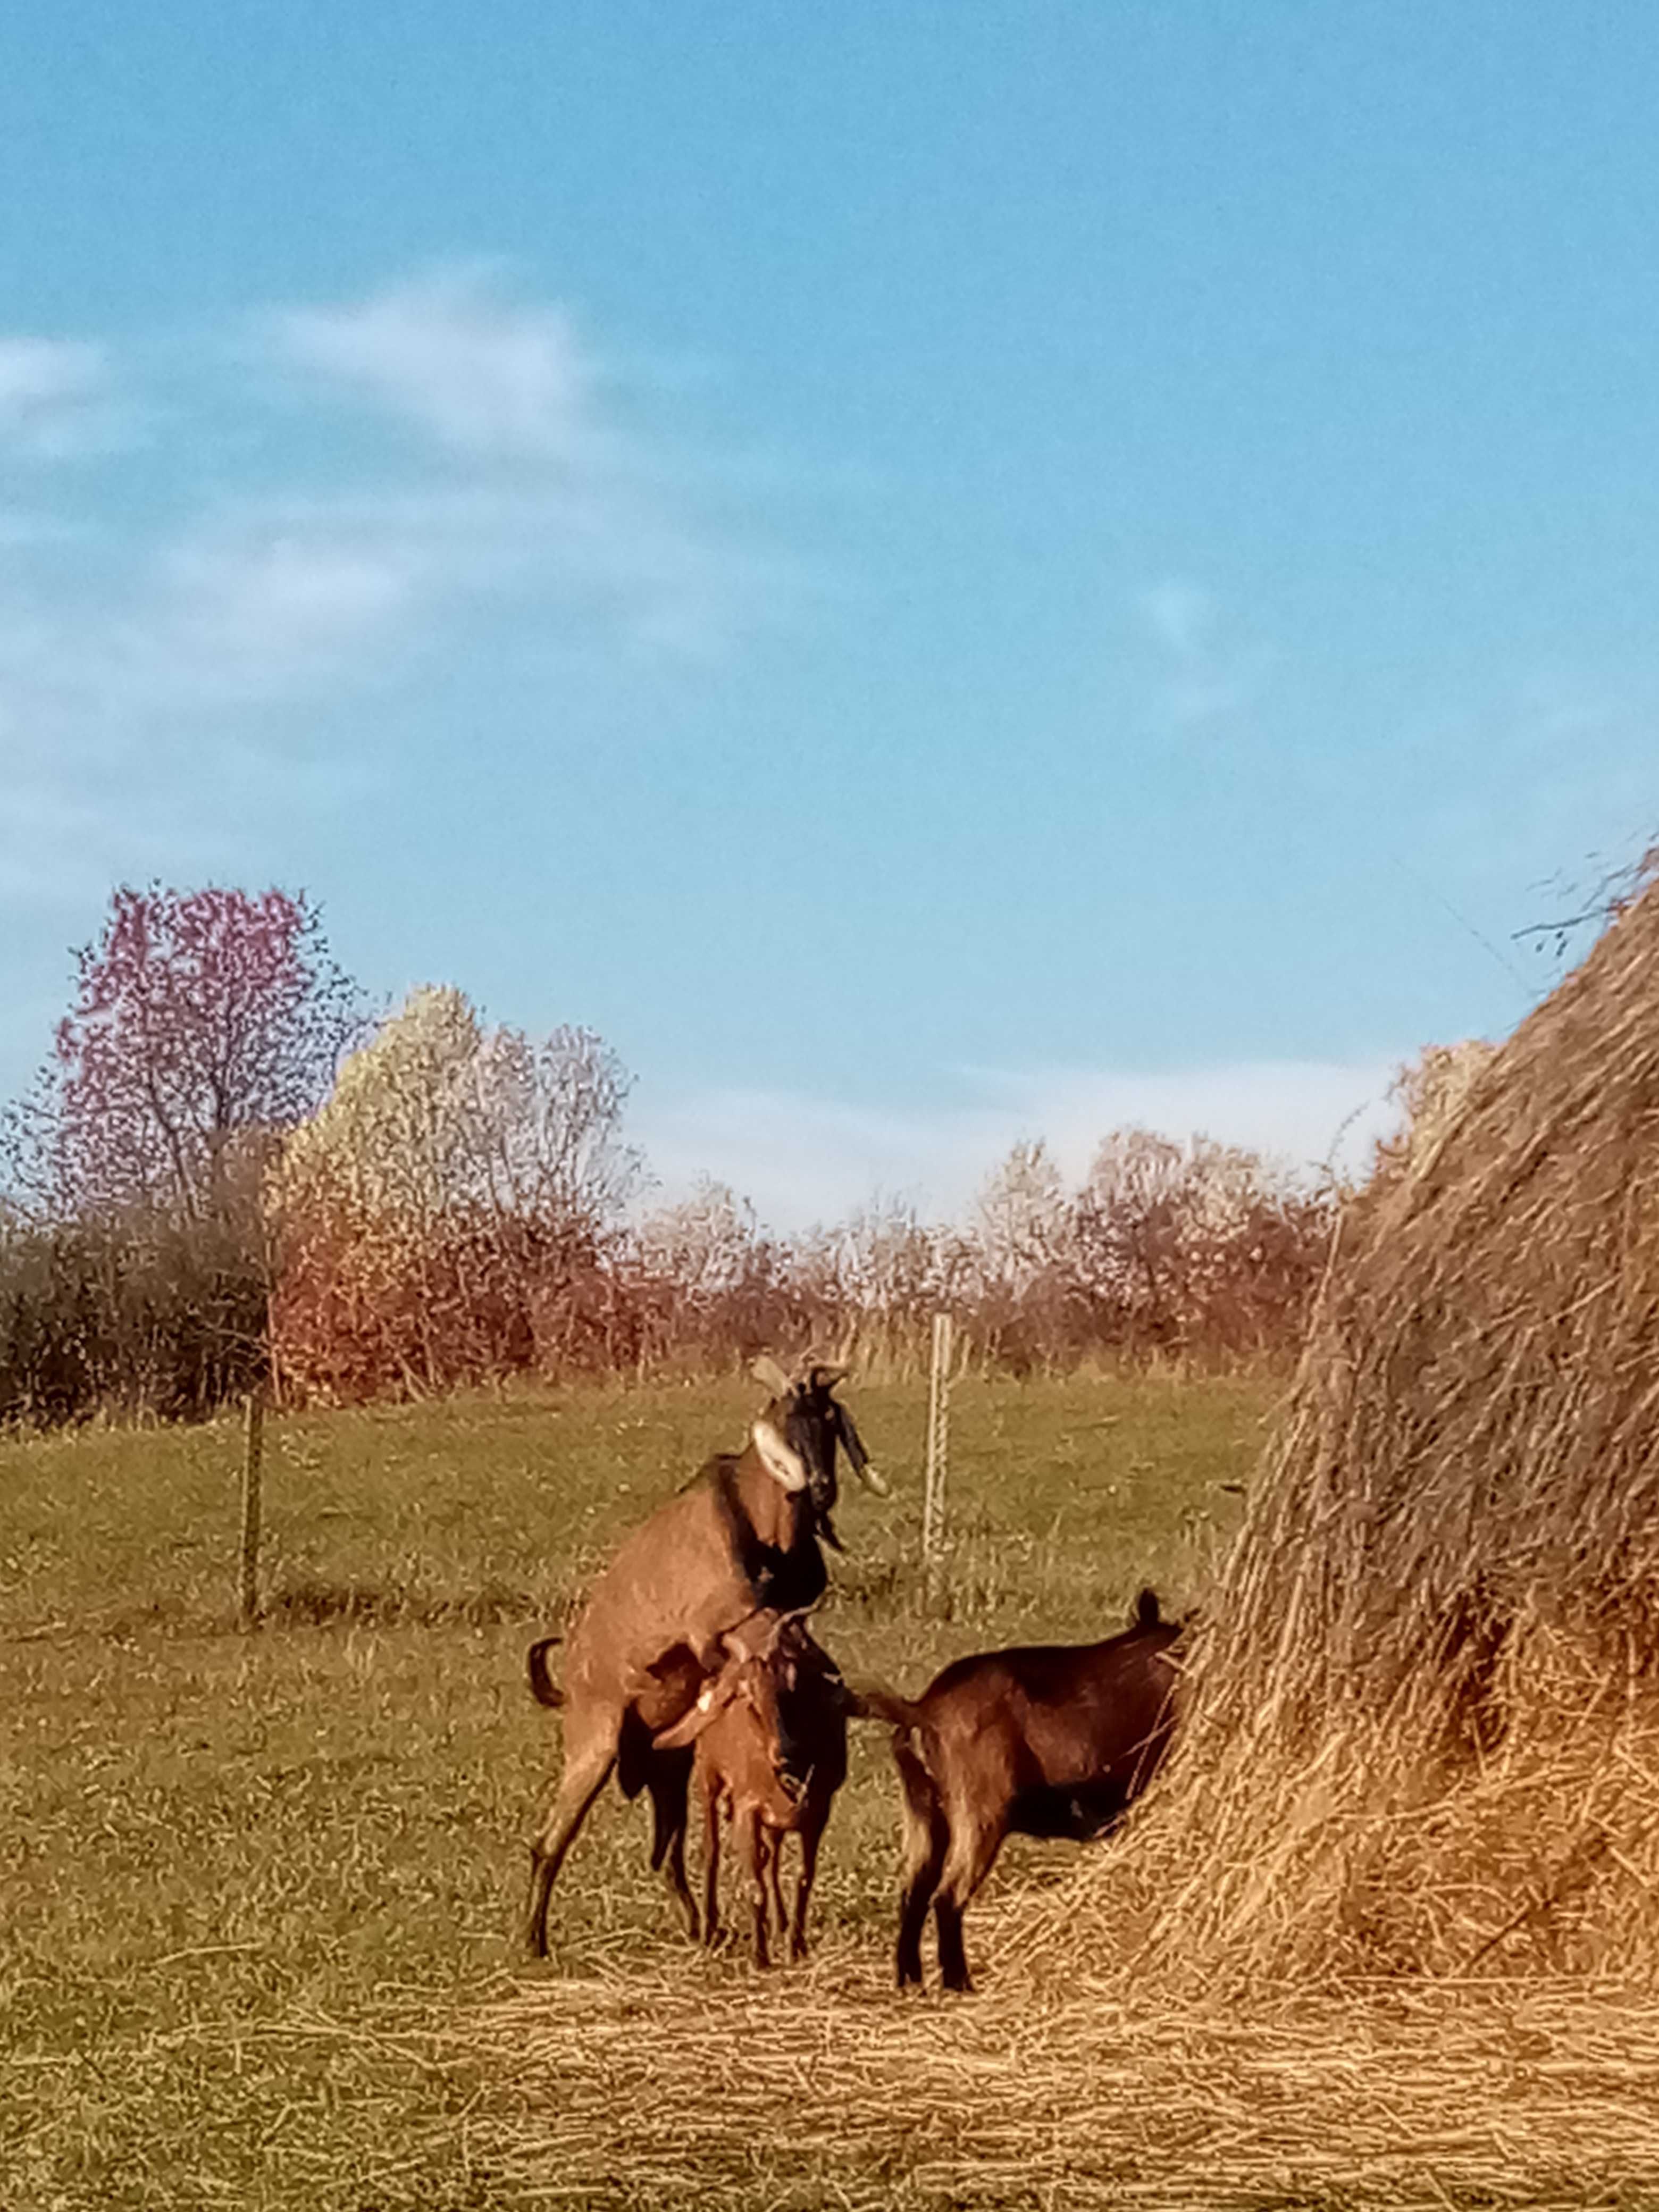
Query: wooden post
point(939, 1455)
point(252, 1499)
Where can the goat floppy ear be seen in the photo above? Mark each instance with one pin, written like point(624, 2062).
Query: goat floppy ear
point(715, 1697)
point(781, 1462)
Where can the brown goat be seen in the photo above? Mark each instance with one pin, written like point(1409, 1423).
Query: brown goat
point(770, 1732)
point(742, 1536)
point(1054, 1739)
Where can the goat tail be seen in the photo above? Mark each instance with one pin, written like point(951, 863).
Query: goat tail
point(913, 1750)
point(913, 1739)
point(870, 1701)
point(542, 1688)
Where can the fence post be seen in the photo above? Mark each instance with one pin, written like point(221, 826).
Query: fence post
point(939, 1455)
point(252, 1501)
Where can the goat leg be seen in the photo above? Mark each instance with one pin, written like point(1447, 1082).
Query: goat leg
point(711, 1864)
point(974, 1843)
point(926, 1839)
point(668, 1784)
point(774, 1871)
point(584, 1778)
point(810, 1832)
point(952, 1957)
point(757, 1838)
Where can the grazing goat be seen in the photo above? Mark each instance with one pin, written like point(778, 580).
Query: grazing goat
point(770, 1732)
point(1053, 1740)
point(670, 1608)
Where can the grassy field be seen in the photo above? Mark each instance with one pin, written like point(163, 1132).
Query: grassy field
point(245, 1875)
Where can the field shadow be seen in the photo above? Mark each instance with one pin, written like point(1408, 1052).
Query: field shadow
point(314, 1602)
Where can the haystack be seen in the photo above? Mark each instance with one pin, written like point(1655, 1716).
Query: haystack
point(1426, 1729)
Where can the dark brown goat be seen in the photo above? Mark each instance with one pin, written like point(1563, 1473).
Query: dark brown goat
point(743, 1536)
point(770, 1732)
point(1049, 1739)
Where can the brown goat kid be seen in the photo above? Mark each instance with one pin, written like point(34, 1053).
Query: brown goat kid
point(770, 1733)
point(1054, 1739)
point(670, 1610)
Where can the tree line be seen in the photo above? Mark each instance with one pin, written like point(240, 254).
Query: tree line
point(230, 1173)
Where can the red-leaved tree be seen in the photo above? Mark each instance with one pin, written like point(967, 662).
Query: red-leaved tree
point(135, 1260)
point(200, 1019)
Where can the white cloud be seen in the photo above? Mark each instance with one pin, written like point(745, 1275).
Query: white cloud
point(57, 399)
point(447, 353)
point(261, 610)
point(802, 1159)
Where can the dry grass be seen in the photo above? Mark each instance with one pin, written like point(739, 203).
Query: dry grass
point(250, 1880)
point(823, 2089)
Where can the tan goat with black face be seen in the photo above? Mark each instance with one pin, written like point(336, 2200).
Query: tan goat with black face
point(770, 1732)
point(671, 1608)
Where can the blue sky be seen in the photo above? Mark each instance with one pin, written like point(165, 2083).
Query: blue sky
point(936, 573)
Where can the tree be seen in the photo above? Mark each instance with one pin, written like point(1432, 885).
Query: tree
point(393, 1141)
point(449, 1213)
point(437, 1119)
point(1021, 1216)
point(203, 1022)
point(705, 1246)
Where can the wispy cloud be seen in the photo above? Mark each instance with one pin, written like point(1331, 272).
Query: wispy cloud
point(482, 373)
point(140, 680)
point(803, 1159)
point(58, 399)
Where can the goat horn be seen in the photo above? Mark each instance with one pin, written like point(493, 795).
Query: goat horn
point(767, 1372)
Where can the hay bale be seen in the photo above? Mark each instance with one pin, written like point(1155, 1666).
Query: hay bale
point(1425, 1733)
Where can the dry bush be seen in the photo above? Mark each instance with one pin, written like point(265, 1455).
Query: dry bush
point(1202, 1254)
point(138, 1314)
point(1425, 1734)
point(365, 1310)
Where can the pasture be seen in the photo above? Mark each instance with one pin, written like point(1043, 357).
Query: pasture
point(253, 1881)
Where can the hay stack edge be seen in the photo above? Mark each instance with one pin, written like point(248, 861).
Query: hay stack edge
point(1425, 1734)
